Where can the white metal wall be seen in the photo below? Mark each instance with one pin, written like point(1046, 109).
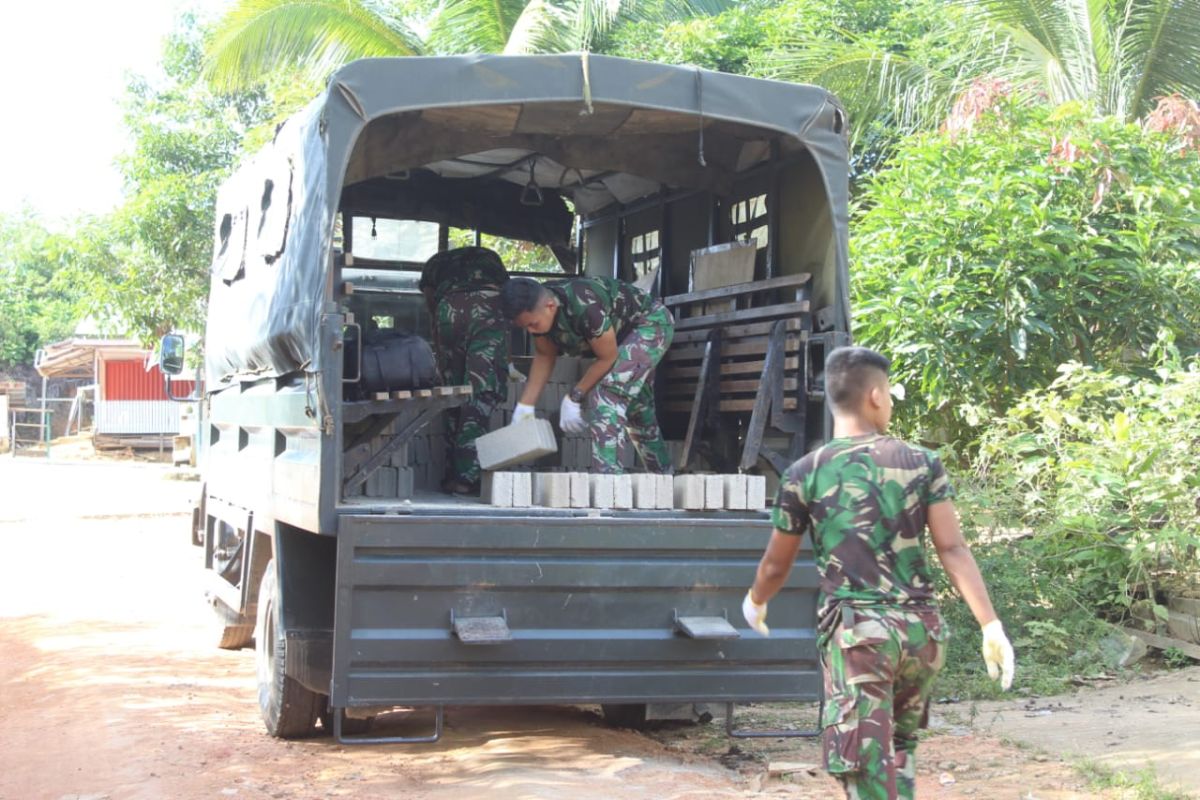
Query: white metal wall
point(137, 416)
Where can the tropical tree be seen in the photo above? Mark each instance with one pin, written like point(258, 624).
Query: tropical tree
point(1117, 56)
point(259, 37)
point(37, 305)
point(145, 267)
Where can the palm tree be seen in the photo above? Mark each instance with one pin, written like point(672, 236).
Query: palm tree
point(1116, 55)
point(258, 37)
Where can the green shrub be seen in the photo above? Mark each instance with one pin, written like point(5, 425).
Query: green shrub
point(982, 262)
point(1101, 468)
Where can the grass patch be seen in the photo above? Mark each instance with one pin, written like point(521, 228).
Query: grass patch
point(1140, 785)
point(1055, 635)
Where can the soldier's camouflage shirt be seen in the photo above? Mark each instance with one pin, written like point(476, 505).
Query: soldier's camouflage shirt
point(587, 307)
point(864, 500)
point(463, 268)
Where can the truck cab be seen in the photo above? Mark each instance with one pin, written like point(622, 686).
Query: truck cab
point(325, 538)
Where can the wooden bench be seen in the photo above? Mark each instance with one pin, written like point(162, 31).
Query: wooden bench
point(749, 359)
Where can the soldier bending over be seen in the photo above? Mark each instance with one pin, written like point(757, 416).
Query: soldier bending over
point(866, 499)
point(627, 331)
point(470, 333)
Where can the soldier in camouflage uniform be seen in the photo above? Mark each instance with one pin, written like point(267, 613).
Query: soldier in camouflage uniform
point(627, 331)
point(866, 499)
point(462, 290)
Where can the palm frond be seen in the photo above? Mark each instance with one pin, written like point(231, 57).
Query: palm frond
point(257, 37)
point(1048, 35)
point(541, 28)
point(880, 86)
point(1160, 51)
point(474, 26)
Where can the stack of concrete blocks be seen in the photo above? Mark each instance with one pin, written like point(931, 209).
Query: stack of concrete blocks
point(716, 492)
point(427, 454)
point(651, 491)
point(508, 489)
point(397, 478)
point(562, 489)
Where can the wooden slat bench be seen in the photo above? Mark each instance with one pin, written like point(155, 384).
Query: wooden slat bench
point(748, 359)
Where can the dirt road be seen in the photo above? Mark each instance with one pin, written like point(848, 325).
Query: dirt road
point(112, 689)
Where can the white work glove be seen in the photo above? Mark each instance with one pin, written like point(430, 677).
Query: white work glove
point(756, 615)
point(522, 412)
point(515, 374)
point(998, 653)
point(570, 416)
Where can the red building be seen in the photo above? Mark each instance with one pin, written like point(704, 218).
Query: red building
point(131, 405)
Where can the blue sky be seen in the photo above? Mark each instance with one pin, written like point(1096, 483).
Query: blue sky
point(65, 65)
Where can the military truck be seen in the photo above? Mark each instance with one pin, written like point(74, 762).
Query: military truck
point(325, 540)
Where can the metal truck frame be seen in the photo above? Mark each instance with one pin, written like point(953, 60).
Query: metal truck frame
point(357, 601)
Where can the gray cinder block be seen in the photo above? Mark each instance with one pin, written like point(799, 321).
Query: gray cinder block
point(404, 482)
point(515, 444)
point(603, 488)
point(498, 489)
point(622, 491)
point(689, 492)
point(756, 492)
point(663, 495)
point(552, 489)
point(522, 489)
point(645, 490)
point(735, 492)
point(714, 491)
point(580, 489)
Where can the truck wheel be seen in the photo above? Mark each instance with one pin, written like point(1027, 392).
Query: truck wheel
point(625, 715)
point(289, 710)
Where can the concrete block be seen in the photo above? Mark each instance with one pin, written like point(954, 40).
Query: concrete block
point(603, 488)
point(756, 492)
point(645, 490)
point(516, 444)
point(552, 489)
point(389, 480)
point(689, 492)
point(664, 495)
point(735, 492)
point(405, 478)
point(498, 489)
point(522, 491)
point(580, 489)
point(622, 491)
point(714, 491)
point(400, 456)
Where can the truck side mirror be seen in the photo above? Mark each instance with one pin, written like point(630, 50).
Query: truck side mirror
point(170, 354)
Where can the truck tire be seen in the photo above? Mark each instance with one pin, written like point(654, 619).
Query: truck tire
point(625, 715)
point(289, 710)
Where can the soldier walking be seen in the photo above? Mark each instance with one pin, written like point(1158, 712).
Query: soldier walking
point(627, 331)
point(462, 291)
point(866, 499)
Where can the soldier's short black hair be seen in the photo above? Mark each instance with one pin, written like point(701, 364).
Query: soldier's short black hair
point(849, 375)
point(520, 295)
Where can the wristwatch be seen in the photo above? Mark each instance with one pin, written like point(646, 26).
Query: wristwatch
point(576, 395)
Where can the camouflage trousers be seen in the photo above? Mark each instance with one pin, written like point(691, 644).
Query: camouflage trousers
point(879, 664)
point(623, 401)
point(471, 335)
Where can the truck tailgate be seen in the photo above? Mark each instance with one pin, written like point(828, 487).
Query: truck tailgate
point(569, 609)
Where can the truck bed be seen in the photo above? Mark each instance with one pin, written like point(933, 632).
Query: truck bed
point(577, 610)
